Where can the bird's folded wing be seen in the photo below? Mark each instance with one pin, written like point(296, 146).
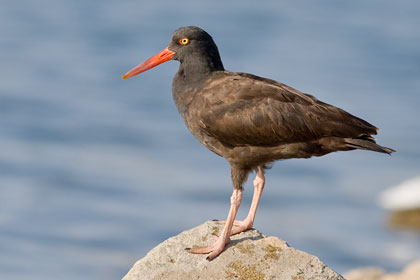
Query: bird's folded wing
point(242, 109)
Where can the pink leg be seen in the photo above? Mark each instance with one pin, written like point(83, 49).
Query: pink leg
point(249, 220)
point(217, 247)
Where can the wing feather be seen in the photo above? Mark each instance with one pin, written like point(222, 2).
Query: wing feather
point(240, 109)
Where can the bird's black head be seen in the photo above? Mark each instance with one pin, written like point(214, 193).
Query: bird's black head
point(190, 45)
point(193, 44)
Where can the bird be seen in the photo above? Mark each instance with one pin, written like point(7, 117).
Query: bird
point(250, 121)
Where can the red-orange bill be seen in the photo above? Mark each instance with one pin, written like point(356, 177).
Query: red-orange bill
point(159, 58)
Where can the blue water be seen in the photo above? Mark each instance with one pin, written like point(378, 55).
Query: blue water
point(95, 171)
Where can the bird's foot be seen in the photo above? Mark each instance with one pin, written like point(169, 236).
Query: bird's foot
point(215, 249)
point(240, 226)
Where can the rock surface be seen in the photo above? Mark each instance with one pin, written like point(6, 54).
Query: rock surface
point(410, 272)
point(409, 219)
point(250, 255)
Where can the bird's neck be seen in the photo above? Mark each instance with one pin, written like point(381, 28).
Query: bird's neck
point(192, 72)
point(196, 66)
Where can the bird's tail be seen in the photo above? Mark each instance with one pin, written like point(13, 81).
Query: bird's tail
point(367, 144)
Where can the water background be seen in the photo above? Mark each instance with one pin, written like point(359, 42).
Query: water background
point(95, 171)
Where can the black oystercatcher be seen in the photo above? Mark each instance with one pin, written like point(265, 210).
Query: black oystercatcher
point(251, 121)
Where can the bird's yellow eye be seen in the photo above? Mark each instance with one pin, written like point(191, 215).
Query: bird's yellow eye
point(184, 41)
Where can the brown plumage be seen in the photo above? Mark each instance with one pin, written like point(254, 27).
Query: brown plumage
point(251, 121)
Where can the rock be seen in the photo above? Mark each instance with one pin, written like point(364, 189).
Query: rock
point(250, 255)
point(404, 196)
point(367, 273)
point(409, 219)
point(410, 272)
point(403, 201)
